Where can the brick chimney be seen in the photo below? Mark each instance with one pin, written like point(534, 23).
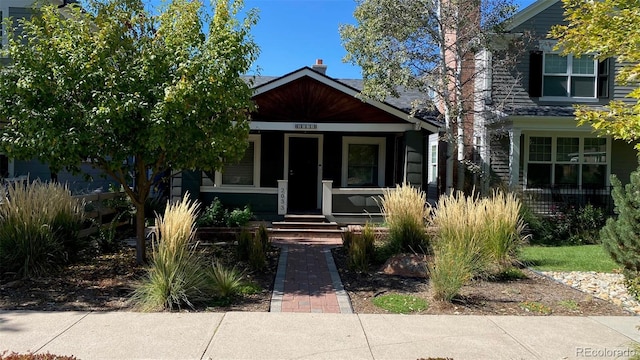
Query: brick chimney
point(320, 67)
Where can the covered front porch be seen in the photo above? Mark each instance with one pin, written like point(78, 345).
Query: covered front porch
point(316, 147)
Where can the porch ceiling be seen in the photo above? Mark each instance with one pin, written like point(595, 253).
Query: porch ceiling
point(309, 100)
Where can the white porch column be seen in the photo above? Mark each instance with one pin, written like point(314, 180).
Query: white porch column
point(514, 157)
point(327, 198)
point(283, 196)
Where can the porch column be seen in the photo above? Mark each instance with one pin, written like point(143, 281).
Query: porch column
point(327, 198)
point(414, 141)
point(514, 157)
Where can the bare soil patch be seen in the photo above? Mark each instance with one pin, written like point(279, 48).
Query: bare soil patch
point(105, 283)
point(481, 297)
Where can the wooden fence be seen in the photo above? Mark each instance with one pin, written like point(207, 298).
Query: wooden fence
point(99, 210)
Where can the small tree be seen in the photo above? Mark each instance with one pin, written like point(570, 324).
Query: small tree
point(430, 46)
point(621, 235)
point(135, 92)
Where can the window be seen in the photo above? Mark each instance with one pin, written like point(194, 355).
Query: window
point(363, 161)
point(569, 76)
point(245, 172)
point(556, 77)
point(567, 161)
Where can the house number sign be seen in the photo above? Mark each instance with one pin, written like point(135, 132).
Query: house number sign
point(282, 197)
point(306, 126)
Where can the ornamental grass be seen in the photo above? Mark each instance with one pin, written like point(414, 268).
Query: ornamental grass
point(175, 276)
point(405, 211)
point(39, 224)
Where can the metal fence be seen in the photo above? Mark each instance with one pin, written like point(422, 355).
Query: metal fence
point(556, 199)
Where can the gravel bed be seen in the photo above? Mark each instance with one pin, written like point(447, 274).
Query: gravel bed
point(606, 286)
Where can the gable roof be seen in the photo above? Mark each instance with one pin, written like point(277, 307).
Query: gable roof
point(401, 109)
point(529, 12)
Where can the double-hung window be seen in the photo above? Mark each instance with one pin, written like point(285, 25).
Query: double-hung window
point(566, 161)
point(363, 161)
point(569, 76)
point(555, 77)
point(243, 173)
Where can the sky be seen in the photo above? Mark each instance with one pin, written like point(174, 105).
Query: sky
point(294, 33)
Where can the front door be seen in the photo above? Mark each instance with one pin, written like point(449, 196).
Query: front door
point(303, 174)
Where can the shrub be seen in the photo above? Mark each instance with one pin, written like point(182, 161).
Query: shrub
point(39, 226)
point(621, 236)
point(263, 236)
point(405, 211)
point(216, 215)
point(245, 243)
point(361, 249)
point(225, 282)
point(567, 225)
point(239, 217)
point(176, 275)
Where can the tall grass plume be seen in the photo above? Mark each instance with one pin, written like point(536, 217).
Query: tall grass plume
point(405, 211)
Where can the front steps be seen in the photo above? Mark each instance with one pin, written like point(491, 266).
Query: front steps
point(305, 226)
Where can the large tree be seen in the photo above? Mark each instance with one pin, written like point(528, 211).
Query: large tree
point(132, 90)
point(431, 46)
point(607, 28)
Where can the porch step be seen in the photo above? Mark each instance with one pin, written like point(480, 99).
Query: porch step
point(305, 218)
point(304, 225)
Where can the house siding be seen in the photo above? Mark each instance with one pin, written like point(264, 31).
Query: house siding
point(624, 160)
point(414, 162)
point(263, 206)
point(16, 13)
point(272, 159)
point(34, 169)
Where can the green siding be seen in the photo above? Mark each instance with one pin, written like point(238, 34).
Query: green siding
point(624, 160)
point(415, 146)
point(332, 158)
point(272, 159)
point(355, 204)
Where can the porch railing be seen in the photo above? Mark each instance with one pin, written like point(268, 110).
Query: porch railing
point(350, 201)
point(554, 199)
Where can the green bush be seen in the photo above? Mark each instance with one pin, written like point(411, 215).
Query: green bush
point(405, 212)
point(39, 226)
point(245, 241)
point(176, 275)
point(621, 235)
point(257, 254)
point(567, 225)
point(217, 215)
point(632, 282)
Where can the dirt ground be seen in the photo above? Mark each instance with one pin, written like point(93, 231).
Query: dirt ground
point(105, 283)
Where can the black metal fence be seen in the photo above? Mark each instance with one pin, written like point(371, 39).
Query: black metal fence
point(555, 199)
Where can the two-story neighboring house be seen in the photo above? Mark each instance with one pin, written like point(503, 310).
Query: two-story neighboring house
point(91, 178)
point(535, 143)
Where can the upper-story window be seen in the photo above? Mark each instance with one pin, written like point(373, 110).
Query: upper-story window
point(568, 78)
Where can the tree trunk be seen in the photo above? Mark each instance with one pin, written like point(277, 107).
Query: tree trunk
point(141, 246)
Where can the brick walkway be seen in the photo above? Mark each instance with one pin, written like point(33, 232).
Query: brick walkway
point(307, 279)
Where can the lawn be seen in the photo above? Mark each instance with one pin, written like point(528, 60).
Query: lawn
point(567, 258)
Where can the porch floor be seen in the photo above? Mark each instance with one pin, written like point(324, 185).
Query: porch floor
point(307, 279)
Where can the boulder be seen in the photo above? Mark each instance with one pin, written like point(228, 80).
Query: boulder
point(406, 265)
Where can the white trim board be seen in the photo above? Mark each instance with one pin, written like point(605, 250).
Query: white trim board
point(329, 127)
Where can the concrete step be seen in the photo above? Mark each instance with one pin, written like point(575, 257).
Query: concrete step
point(305, 218)
point(304, 225)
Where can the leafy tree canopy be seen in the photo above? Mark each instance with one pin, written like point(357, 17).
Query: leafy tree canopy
point(115, 82)
point(607, 28)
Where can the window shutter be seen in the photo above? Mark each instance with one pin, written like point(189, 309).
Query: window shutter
point(603, 78)
point(535, 74)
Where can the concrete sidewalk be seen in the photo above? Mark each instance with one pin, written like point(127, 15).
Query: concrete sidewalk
point(234, 335)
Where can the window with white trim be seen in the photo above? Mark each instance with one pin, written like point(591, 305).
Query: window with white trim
point(567, 161)
point(569, 76)
point(363, 161)
point(245, 172)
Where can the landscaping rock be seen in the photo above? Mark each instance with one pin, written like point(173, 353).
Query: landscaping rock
point(406, 265)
